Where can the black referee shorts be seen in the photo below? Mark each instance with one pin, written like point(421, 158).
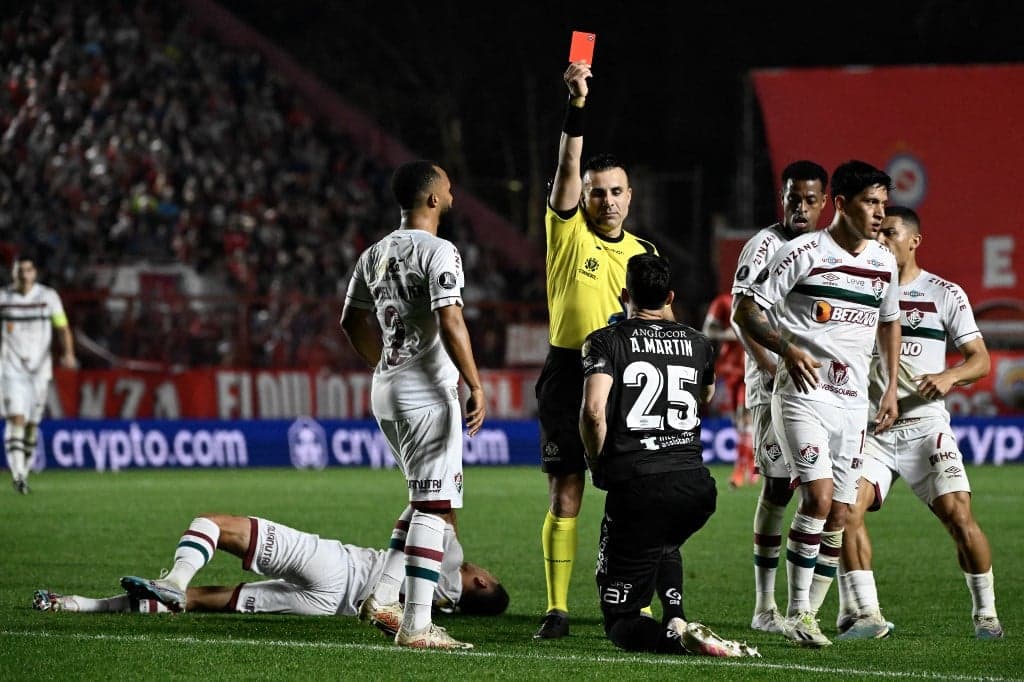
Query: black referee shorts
point(559, 394)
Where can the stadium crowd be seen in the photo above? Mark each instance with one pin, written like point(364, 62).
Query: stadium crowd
point(127, 137)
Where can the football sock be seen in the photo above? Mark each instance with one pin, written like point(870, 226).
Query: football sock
point(559, 539)
point(767, 546)
point(983, 593)
point(424, 550)
point(669, 584)
point(825, 568)
point(801, 557)
point(847, 602)
point(863, 592)
point(148, 606)
point(31, 440)
point(14, 445)
point(195, 549)
point(118, 604)
point(391, 580)
point(637, 633)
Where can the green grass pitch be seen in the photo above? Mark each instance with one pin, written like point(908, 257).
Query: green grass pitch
point(78, 532)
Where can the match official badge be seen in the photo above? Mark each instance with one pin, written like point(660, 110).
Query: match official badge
point(307, 444)
point(550, 453)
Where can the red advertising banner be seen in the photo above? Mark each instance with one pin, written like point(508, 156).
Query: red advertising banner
point(250, 394)
point(942, 132)
point(286, 394)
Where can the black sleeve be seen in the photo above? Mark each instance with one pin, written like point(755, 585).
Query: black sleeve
point(597, 354)
point(709, 362)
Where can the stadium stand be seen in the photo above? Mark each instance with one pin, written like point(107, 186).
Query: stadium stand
point(187, 202)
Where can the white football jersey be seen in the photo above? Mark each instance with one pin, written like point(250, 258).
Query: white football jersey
point(756, 253)
point(830, 302)
point(933, 311)
point(28, 321)
point(368, 565)
point(405, 277)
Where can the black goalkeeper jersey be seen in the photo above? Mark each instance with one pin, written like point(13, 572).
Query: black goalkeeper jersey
point(658, 369)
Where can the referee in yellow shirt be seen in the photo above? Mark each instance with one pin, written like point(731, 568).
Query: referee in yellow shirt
point(587, 250)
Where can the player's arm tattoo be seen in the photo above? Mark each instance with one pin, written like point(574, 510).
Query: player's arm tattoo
point(760, 355)
point(754, 321)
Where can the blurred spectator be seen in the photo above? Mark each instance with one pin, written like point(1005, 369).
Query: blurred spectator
point(126, 137)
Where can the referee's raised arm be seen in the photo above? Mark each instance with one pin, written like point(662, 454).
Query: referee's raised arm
point(568, 185)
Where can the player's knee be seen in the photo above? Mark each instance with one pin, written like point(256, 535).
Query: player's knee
point(961, 524)
point(838, 516)
point(854, 516)
point(221, 520)
point(566, 495)
point(777, 491)
point(566, 506)
point(953, 509)
point(815, 504)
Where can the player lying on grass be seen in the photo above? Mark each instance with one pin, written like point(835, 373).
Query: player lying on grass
point(310, 576)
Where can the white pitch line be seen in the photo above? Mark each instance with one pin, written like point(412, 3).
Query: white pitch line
point(691, 661)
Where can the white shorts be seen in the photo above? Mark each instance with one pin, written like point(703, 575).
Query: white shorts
point(427, 444)
point(312, 575)
point(925, 455)
point(767, 447)
point(24, 394)
point(822, 441)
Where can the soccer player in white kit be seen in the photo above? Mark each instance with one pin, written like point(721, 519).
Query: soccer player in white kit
point(804, 184)
point(920, 447)
point(835, 292)
point(411, 282)
point(307, 575)
point(29, 312)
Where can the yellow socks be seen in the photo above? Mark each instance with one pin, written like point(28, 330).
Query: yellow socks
point(558, 538)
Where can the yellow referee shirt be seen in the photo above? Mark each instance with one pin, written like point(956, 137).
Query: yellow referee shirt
point(586, 273)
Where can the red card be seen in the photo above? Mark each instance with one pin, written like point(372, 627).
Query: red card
point(582, 47)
